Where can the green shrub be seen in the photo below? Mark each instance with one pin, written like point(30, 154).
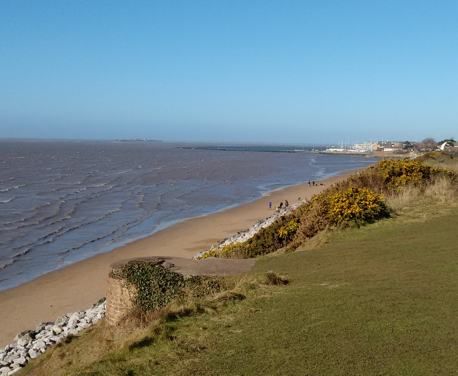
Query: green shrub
point(156, 286)
point(201, 286)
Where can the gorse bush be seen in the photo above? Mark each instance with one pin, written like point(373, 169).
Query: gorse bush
point(355, 201)
point(392, 176)
point(400, 173)
point(331, 208)
point(288, 231)
point(339, 207)
point(356, 205)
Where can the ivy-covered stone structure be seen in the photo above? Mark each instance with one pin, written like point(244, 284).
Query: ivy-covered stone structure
point(151, 283)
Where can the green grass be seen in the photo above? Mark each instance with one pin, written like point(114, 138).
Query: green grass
point(379, 300)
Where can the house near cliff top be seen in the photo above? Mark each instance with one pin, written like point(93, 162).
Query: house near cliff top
point(448, 145)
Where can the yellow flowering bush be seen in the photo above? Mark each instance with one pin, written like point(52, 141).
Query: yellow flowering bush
point(332, 208)
point(236, 250)
point(356, 205)
point(288, 230)
point(400, 173)
point(391, 176)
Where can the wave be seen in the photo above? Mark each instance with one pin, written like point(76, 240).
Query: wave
point(4, 190)
point(52, 236)
point(14, 258)
point(321, 173)
point(7, 200)
point(123, 228)
point(35, 218)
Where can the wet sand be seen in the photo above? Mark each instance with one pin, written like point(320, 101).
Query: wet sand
point(78, 286)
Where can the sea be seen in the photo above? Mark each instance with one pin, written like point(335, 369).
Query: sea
point(65, 201)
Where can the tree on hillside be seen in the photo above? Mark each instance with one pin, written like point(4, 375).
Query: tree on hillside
point(450, 141)
point(407, 145)
point(428, 144)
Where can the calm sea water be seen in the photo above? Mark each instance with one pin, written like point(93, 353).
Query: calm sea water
point(61, 202)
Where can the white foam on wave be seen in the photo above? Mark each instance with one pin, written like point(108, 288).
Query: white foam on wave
point(14, 187)
point(7, 200)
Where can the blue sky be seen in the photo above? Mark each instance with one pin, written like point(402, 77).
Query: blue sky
point(235, 71)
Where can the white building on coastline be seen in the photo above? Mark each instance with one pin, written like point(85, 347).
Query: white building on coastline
point(367, 147)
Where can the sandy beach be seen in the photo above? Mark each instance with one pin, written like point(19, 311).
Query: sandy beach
point(79, 285)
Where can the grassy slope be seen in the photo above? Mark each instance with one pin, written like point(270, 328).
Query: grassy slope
point(381, 300)
point(370, 302)
point(378, 301)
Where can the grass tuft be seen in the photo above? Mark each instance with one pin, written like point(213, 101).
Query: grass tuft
point(272, 278)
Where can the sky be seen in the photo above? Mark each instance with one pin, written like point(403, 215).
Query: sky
point(251, 71)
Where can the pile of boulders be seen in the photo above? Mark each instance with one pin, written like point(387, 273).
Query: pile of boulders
point(31, 343)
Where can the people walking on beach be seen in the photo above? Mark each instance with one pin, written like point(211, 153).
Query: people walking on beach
point(280, 206)
point(270, 204)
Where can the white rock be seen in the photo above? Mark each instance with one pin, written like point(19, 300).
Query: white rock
point(82, 326)
point(20, 353)
point(61, 321)
point(24, 340)
point(21, 361)
point(48, 334)
point(73, 332)
point(47, 341)
point(57, 339)
point(32, 353)
point(38, 345)
point(29, 344)
point(10, 358)
point(73, 320)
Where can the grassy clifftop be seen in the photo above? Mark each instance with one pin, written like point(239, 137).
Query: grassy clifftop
point(378, 301)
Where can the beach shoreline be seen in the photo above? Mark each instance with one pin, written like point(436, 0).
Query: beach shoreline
point(77, 286)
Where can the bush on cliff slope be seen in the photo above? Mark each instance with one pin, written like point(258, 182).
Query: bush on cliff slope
point(331, 208)
point(353, 202)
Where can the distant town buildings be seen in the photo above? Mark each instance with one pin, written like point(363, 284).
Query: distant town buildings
point(394, 147)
